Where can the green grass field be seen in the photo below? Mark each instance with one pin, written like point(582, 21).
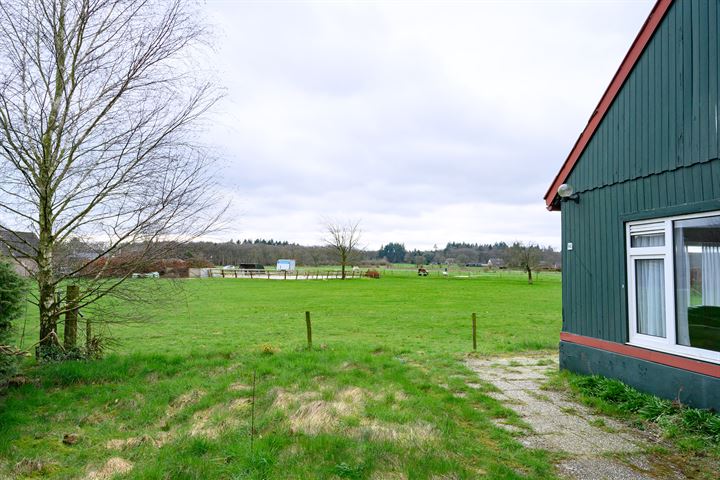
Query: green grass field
point(382, 395)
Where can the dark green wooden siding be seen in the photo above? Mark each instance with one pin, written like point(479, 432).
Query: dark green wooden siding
point(654, 154)
point(666, 115)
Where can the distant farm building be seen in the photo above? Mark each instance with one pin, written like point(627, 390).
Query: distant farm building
point(639, 197)
point(288, 265)
point(18, 248)
point(495, 263)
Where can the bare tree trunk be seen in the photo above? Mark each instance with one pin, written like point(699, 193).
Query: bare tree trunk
point(46, 276)
point(46, 295)
point(343, 262)
point(529, 272)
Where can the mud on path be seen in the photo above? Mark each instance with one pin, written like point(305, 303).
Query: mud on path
point(593, 446)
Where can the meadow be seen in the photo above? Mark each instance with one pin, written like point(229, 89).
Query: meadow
point(219, 383)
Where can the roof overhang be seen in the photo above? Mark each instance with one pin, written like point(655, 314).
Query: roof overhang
point(647, 31)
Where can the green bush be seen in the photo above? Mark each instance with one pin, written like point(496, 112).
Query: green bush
point(12, 300)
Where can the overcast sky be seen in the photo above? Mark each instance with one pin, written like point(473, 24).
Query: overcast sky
point(428, 121)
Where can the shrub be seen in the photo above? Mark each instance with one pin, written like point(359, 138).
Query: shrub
point(12, 300)
point(372, 274)
point(168, 268)
point(199, 263)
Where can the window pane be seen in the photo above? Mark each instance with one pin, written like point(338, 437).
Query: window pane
point(650, 296)
point(648, 240)
point(697, 282)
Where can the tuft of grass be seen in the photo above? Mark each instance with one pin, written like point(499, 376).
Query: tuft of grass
point(693, 429)
point(268, 349)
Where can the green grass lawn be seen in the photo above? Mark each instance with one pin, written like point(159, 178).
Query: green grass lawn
point(382, 395)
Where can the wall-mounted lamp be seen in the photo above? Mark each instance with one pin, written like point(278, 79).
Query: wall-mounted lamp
point(566, 192)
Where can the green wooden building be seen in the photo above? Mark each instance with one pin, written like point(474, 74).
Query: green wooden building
point(639, 196)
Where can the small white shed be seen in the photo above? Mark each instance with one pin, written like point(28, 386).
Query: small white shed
point(287, 265)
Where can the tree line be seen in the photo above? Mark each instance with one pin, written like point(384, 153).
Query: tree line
point(264, 252)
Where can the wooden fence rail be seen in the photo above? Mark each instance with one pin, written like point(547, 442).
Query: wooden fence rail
point(281, 274)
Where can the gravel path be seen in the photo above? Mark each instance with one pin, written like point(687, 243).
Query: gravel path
point(598, 447)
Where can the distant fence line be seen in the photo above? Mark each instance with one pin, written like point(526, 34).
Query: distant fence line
point(273, 274)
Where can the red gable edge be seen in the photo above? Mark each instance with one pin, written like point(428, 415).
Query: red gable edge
point(638, 46)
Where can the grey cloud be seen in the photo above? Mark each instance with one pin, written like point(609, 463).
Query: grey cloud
point(408, 117)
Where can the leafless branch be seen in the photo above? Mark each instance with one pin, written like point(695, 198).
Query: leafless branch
point(344, 238)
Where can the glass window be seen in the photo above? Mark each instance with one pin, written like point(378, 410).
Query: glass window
point(648, 240)
point(674, 284)
point(697, 282)
point(650, 296)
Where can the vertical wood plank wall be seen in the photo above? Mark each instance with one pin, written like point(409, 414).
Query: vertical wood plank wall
point(656, 152)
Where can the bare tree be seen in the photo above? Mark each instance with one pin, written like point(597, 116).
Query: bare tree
point(344, 238)
point(97, 103)
point(526, 257)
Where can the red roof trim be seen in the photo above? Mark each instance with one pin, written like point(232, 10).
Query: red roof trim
point(638, 46)
point(683, 363)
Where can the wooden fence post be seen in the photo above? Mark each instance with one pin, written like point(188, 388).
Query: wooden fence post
point(71, 316)
point(474, 325)
point(88, 334)
point(309, 330)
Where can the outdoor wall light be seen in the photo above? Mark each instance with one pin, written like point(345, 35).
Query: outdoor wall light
point(567, 192)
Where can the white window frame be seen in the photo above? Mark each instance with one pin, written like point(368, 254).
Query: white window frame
point(667, 344)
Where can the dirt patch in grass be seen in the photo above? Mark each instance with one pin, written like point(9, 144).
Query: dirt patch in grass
point(211, 422)
point(223, 370)
point(284, 399)
point(202, 423)
point(183, 401)
point(388, 476)
point(114, 466)
point(239, 404)
point(239, 387)
point(157, 441)
point(95, 418)
point(401, 433)
point(400, 396)
point(33, 467)
point(310, 415)
point(178, 405)
point(316, 416)
point(350, 366)
point(350, 400)
point(313, 418)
